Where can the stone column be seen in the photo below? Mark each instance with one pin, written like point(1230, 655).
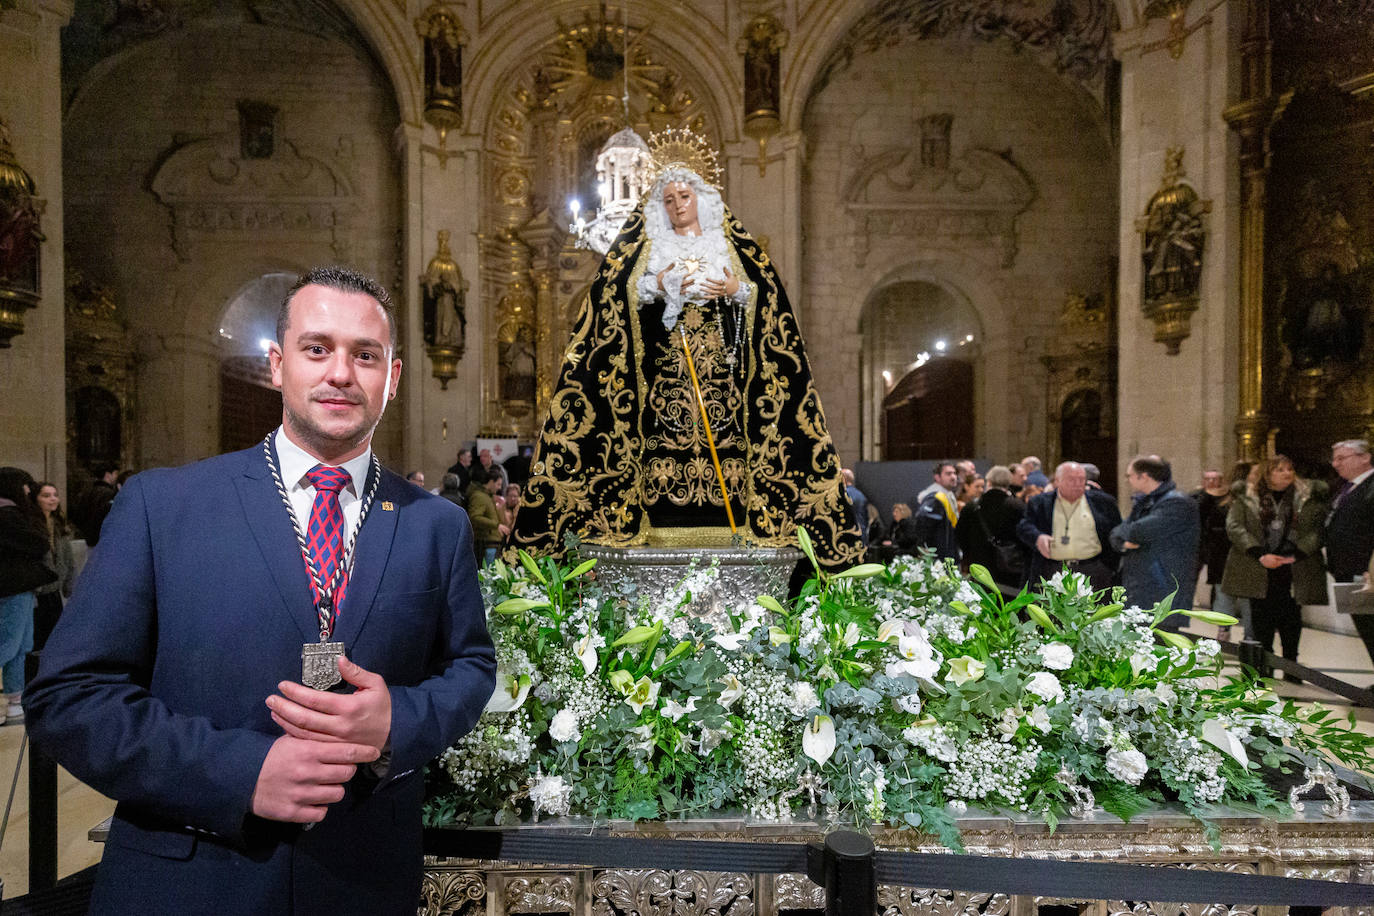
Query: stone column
point(1172, 97)
point(1250, 118)
point(440, 194)
point(178, 399)
point(33, 412)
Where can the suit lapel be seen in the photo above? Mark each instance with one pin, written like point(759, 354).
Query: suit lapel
point(267, 518)
point(370, 556)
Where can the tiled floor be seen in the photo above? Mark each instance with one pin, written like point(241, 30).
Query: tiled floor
point(81, 808)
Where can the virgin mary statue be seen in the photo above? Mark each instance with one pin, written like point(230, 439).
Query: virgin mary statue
point(686, 301)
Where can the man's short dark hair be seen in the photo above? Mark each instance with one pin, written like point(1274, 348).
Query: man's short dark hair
point(940, 468)
point(480, 476)
point(101, 468)
point(1157, 469)
point(345, 280)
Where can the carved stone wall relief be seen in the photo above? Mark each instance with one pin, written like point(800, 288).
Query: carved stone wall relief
point(921, 191)
point(216, 195)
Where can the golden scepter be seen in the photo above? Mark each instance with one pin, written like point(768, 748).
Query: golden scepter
point(710, 439)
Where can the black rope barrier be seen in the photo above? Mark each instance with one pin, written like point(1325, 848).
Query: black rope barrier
point(829, 862)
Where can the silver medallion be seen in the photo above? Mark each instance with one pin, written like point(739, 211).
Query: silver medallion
point(320, 664)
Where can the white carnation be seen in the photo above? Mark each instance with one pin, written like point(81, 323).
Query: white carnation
point(802, 699)
point(1046, 686)
point(1056, 656)
point(551, 794)
point(564, 726)
point(1129, 766)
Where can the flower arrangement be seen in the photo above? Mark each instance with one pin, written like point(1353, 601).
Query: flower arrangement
point(897, 694)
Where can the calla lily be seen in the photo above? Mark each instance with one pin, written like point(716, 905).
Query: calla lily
point(510, 692)
point(1217, 735)
point(643, 693)
point(965, 668)
point(585, 650)
point(777, 636)
point(818, 741)
point(732, 692)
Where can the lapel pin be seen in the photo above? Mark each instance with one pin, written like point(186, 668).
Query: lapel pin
point(387, 507)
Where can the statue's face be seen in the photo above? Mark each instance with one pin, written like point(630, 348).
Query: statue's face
point(681, 203)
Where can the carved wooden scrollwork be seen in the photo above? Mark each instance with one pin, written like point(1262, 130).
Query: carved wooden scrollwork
point(910, 901)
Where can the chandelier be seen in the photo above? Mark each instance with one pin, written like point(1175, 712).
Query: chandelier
point(622, 173)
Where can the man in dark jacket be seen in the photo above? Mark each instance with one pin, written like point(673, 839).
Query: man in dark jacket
point(96, 502)
point(1158, 542)
point(1069, 528)
point(1350, 528)
point(938, 514)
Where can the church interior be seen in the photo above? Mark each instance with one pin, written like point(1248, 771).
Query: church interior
point(1079, 229)
point(1071, 228)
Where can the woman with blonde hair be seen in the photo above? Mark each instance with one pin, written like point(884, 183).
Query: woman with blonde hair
point(1275, 524)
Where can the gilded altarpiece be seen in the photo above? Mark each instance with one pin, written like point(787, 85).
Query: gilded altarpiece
point(100, 379)
point(1319, 273)
point(542, 142)
point(1080, 397)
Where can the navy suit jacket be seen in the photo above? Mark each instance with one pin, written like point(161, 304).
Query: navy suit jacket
point(152, 687)
point(1039, 519)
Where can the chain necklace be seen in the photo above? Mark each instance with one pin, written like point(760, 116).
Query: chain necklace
point(326, 593)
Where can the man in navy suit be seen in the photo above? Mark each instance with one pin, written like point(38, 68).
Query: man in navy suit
point(172, 681)
point(1069, 528)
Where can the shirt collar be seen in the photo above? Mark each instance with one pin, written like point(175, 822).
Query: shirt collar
point(295, 461)
point(1361, 479)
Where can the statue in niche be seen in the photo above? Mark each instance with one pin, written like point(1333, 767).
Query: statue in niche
point(443, 38)
point(516, 360)
point(763, 39)
point(1325, 293)
point(19, 231)
point(444, 292)
point(1173, 258)
point(1327, 318)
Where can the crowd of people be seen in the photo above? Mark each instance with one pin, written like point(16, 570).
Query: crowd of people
point(1265, 540)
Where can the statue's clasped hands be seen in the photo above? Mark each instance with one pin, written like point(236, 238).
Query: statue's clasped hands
point(710, 287)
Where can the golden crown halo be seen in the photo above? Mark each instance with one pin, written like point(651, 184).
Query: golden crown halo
point(681, 146)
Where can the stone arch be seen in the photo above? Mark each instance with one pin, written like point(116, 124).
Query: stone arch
point(388, 40)
point(872, 328)
point(834, 40)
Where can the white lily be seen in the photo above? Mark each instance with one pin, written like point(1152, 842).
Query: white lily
point(732, 692)
point(917, 658)
point(1220, 737)
point(675, 710)
point(510, 692)
point(818, 741)
point(891, 629)
point(852, 635)
point(643, 693)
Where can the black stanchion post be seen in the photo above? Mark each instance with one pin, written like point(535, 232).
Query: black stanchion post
point(844, 865)
point(1251, 655)
point(42, 807)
